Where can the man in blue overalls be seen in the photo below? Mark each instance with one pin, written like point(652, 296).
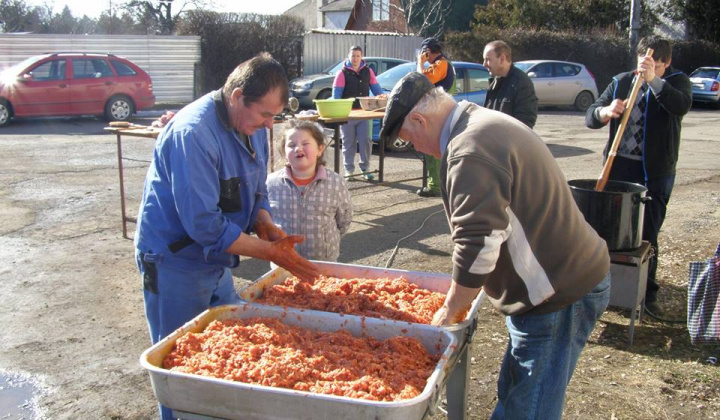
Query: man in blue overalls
point(205, 194)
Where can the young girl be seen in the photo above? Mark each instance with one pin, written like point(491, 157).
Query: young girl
point(308, 199)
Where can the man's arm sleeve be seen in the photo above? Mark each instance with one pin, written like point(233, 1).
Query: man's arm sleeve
point(675, 97)
point(262, 187)
point(195, 187)
point(526, 104)
point(592, 118)
point(479, 220)
point(436, 71)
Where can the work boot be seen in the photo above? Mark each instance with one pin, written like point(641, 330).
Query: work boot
point(427, 192)
point(653, 308)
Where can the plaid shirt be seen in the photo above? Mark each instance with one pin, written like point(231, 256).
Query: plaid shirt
point(322, 211)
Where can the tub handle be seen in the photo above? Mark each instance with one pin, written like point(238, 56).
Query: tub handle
point(643, 199)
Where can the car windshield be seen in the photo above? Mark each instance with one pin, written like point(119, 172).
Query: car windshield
point(334, 68)
point(524, 66)
point(706, 73)
point(389, 78)
point(17, 68)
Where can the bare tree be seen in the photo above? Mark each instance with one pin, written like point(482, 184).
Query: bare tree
point(422, 17)
point(161, 13)
point(426, 17)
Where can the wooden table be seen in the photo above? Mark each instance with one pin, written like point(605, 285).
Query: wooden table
point(139, 131)
point(335, 123)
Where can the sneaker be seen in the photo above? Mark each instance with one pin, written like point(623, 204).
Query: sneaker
point(427, 192)
point(368, 176)
point(348, 175)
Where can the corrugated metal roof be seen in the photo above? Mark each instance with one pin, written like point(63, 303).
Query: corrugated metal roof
point(345, 32)
point(322, 49)
point(169, 60)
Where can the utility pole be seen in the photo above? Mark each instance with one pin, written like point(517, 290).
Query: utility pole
point(635, 10)
point(110, 16)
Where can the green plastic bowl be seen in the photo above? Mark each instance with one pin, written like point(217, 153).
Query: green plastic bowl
point(334, 108)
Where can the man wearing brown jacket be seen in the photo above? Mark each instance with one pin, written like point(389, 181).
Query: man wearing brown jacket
point(518, 235)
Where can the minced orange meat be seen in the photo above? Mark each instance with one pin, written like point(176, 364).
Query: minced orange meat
point(378, 298)
point(267, 352)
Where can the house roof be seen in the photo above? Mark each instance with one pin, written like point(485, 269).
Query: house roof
point(298, 6)
point(339, 6)
point(346, 32)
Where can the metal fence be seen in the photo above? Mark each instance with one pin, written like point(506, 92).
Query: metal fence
point(169, 60)
point(322, 49)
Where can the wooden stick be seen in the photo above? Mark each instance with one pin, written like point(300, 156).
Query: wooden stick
point(621, 130)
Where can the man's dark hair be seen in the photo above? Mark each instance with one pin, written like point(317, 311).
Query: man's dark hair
point(662, 48)
point(256, 77)
point(500, 48)
point(356, 48)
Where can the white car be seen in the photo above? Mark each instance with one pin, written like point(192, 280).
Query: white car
point(561, 83)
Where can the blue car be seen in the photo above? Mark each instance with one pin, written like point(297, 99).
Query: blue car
point(706, 85)
point(471, 85)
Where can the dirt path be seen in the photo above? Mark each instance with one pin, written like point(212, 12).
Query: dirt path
point(72, 305)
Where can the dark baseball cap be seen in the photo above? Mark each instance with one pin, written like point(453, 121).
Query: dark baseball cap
point(404, 96)
point(431, 43)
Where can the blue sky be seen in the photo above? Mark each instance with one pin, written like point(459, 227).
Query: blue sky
point(95, 8)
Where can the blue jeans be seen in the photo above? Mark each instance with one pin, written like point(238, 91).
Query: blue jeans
point(174, 296)
point(541, 356)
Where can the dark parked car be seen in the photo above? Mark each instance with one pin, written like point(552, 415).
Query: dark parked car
point(706, 85)
point(319, 86)
point(471, 85)
point(74, 84)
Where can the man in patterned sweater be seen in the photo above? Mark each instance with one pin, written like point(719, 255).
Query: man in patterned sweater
point(650, 145)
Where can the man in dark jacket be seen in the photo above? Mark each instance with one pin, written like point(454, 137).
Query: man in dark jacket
point(649, 148)
point(510, 90)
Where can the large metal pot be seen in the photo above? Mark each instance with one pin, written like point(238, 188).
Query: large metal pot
point(616, 213)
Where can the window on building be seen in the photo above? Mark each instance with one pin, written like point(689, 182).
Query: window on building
point(381, 10)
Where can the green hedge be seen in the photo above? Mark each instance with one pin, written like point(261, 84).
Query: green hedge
point(228, 39)
point(605, 55)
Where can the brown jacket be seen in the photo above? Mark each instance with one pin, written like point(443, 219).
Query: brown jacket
point(516, 228)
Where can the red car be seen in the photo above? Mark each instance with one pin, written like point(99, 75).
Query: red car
point(74, 84)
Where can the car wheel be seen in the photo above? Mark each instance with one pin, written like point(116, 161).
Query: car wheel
point(119, 108)
point(324, 94)
point(583, 101)
point(5, 113)
point(398, 145)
